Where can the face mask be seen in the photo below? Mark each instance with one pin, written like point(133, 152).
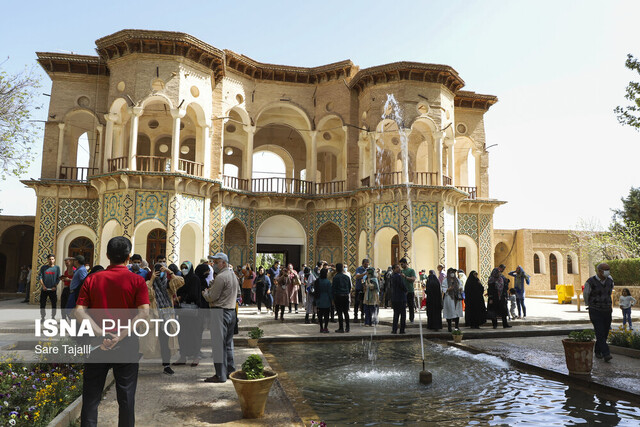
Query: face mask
point(216, 269)
point(162, 274)
point(185, 271)
point(452, 275)
point(164, 264)
point(606, 273)
point(135, 267)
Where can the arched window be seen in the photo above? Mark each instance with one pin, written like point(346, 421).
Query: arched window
point(156, 244)
point(82, 246)
point(569, 265)
point(536, 264)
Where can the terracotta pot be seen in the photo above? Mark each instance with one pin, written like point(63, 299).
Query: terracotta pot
point(579, 356)
point(253, 393)
point(457, 338)
point(252, 342)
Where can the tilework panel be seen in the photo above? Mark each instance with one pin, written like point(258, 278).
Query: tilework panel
point(425, 215)
point(151, 205)
point(386, 215)
point(352, 239)
point(247, 218)
point(316, 220)
point(46, 230)
point(111, 206)
point(96, 247)
point(405, 232)
point(191, 210)
point(78, 211)
point(468, 224)
point(173, 230)
point(441, 252)
point(485, 231)
point(215, 229)
point(127, 215)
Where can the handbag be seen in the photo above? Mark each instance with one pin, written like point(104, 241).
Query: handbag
point(188, 309)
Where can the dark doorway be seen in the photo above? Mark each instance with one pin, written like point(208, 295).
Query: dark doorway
point(82, 246)
point(156, 244)
point(462, 259)
point(292, 253)
point(395, 249)
point(3, 269)
point(553, 267)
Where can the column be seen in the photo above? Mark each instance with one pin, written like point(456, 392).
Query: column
point(342, 169)
point(477, 156)
point(247, 164)
point(439, 140)
point(136, 112)
point(312, 168)
point(177, 114)
point(374, 160)
point(450, 159)
point(60, 147)
point(108, 142)
point(99, 151)
point(206, 138)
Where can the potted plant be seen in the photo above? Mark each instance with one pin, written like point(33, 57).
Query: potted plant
point(578, 351)
point(252, 385)
point(457, 335)
point(254, 335)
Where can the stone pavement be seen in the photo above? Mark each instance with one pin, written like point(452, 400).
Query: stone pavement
point(184, 399)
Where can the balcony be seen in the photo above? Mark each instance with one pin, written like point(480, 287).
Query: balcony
point(156, 164)
point(283, 186)
point(415, 178)
point(75, 173)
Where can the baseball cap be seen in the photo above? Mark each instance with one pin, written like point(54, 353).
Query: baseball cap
point(221, 256)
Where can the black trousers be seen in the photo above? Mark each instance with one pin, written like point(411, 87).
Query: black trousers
point(323, 318)
point(246, 296)
point(411, 302)
point(358, 304)
point(342, 307)
point(260, 297)
point(95, 374)
point(64, 297)
point(44, 295)
point(399, 313)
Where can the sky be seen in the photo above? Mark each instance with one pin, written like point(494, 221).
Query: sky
point(557, 68)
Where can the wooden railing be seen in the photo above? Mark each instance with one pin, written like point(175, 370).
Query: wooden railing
point(389, 178)
point(153, 164)
point(190, 168)
point(75, 173)
point(281, 185)
point(424, 178)
point(473, 192)
point(446, 180)
point(235, 183)
point(332, 187)
point(118, 163)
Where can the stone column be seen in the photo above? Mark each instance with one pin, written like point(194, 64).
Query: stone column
point(206, 138)
point(439, 140)
point(477, 156)
point(312, 160)
point(342, 169)
point(60, 148)
point(374, 160)
point(136, 112)
point(450, 159)
point(247, 165)
point(177, 114)
point(100, 145)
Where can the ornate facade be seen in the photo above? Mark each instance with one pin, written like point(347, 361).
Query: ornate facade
point(165, 115)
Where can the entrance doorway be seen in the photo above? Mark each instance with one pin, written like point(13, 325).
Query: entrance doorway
point(462, 259)
point(286, 254)
point(156, 245)
point(395, 249)
point(553, 267)
point(82, 246)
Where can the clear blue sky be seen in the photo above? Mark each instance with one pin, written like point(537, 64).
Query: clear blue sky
point(556, 66)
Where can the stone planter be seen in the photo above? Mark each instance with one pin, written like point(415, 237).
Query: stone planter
point(625, 351)
point(457, 338)
point(253, 393)
point(252, 342)
point(579, 356)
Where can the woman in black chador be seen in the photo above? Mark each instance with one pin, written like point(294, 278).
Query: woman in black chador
point(475, 312)
point(498, 292)
point(434, 302)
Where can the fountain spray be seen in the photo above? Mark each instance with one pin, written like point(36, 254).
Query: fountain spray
point(392, 105)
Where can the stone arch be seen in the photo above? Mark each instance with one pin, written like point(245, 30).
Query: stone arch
point(560, 263)
point(109, 230)
point(425, 249)
point(281, 229)
point(140, 236)
point(191, 243)
point(575, 267)
point(281, 152)
point(362, 245)
point(382, 247)
point(329, 243)
point(72, 232)
point(471, 261)
point(156, 97)
point(542, 263)
point(289, 106)
point(464, 161)
point(500, 254)
point(236, 242)
point(244, 115)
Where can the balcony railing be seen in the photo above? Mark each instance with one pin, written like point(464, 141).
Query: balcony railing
point(190, 168)
point(331, 187)
point(153, 164)
point(236, 183)
point(446, 180)
point(75, 173)
point(118, 163)
point(471, 190)
point(156, 164)
point(395, 178)
point(283, 185)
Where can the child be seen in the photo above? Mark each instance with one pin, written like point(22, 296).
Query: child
point(512, 303)
point(626, 301)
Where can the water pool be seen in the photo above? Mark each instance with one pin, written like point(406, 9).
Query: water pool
point(377, 384)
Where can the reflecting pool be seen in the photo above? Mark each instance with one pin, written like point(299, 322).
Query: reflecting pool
point(377, 384)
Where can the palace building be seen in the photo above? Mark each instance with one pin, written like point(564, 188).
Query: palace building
point(174, 129)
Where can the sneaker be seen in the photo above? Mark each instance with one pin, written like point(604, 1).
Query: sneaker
point(607, 358)
point(213, 379)
point(168, 370)
point(296, 312)
point(340, 331)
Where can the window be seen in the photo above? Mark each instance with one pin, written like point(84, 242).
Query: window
point(536, 264)
point(569, 265)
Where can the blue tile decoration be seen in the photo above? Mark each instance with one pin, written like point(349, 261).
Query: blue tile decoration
point(425, 214)
point(386, 215)
point(78, 211)
point(484, 247)
point(468, 224)
point(151, 205)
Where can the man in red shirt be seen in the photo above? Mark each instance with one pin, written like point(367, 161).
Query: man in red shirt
point(113, 290)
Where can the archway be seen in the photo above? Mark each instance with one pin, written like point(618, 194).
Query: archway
point(191, 243)
point(283, 234)
point(467, 254)
point(236, 242)
point(362, 246)
point(386, 248)
point(329, 247)
point(425, 249)
point(156, 244)
point(553, 271)
point(16, 245)
point(111, 229)
point(500, 255)
point(81, 246)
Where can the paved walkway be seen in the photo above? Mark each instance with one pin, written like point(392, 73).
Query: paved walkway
point(183, 399)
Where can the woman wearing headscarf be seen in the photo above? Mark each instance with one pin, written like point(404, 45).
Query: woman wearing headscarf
point(371, 297)
point(293, 284)
point(309, 305)
point(476, 313)
point(323, 299)
point(262, 285)
point(189, 298)
point(281, 297)
point(434, 302)
point(518, 283)
point(498, 293)
point(452, 301)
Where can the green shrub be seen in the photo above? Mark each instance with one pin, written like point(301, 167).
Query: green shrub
point(625, 272)
point(583, 336)
point(634, 341)
point(456, 332)
point(253, 368)
point(256, 333)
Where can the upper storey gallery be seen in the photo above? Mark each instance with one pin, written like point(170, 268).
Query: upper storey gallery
point(168, 103)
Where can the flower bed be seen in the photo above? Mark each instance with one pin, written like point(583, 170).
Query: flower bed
point(32, 395)
point(623, 337)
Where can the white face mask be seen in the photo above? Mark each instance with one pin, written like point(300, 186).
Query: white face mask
point(452, 275)
point(606, 273)
point(185, 271)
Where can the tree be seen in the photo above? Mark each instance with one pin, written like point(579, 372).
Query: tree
point(17, 131)
point(628, 218)
point(630, 115)
point(596, 245)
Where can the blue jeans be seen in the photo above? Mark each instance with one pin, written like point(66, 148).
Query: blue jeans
point(601, 321)
point(626, 317)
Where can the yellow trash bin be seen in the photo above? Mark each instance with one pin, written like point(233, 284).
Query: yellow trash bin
point(565, 293)
point(560, 291)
